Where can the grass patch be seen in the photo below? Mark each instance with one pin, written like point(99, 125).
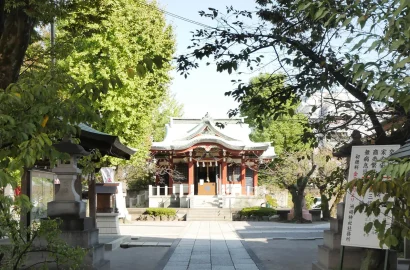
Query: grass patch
point(257, 211)
point(160, 212)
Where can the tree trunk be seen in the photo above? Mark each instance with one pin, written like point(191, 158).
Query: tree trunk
point(15, 38)
point(325, 206)
point(297, 198)
point(374, 260)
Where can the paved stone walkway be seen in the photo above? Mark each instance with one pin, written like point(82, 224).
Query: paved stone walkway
point(210, 246)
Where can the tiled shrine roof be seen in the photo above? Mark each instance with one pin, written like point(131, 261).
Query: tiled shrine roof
point(183, 133)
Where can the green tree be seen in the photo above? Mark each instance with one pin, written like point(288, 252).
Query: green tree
point(285, 129)
point(360, 47)
point(292, 171)
point(43, 100)
point(329, 179)
point(169, 107)
point(128, 110)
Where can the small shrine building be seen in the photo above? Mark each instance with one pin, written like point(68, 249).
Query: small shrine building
point(199, 158)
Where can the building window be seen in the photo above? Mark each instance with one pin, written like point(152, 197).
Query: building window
point(234, 173)
point(180, 172)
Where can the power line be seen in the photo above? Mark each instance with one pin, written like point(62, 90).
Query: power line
point(178, 16)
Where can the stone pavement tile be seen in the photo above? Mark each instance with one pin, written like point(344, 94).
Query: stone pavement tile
point(201, 253)
point(239, 254)
point(221, 261)
point(201, 266)
point(242, 261)
point(179, 258)
point(185, 250)
point(199, 259)
point(175, 267)
point(184, 263)
point(246, 267)
point(222, 267)
point(201, 248)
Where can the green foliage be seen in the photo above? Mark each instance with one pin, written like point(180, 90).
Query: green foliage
point(285, 128)
point(140, 184)
point(129, 110)
point(169, 108)
point(310, 201)
point(392, 192)
point(27, 245)
point(326, 48)
point(160, 212)
point(330, 179)
point(257, 211)
point(271, 201)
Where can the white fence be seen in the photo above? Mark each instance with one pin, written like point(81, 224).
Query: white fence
point(179, 190)
point(140, 200)
point(183, 189)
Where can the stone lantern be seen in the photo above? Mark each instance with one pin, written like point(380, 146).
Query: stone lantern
point(77, 229)
point(67, 202)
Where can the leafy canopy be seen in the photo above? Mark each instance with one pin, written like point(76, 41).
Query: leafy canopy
point(286, 129)
point(360, 48)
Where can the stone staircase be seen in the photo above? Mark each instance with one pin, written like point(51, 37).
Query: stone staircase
point(209, 214)
point(205, 202)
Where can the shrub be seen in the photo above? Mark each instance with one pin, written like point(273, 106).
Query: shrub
point(257, 211)
point(272, 201)
point(160, 212)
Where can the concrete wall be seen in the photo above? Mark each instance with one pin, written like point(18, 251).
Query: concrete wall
point(159, 201)
point(242, 201)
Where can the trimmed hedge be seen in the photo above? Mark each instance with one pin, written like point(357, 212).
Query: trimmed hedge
point(160, 212)
point(257, 211)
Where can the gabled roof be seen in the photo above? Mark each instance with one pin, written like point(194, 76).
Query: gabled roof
point(183, 133)
point(91, 138)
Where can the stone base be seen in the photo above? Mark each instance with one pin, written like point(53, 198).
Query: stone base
point(108, 224)
point(305, 215)
point(66, 209)
point(79, 224)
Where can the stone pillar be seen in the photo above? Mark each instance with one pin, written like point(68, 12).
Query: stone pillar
point(190, 177)
point(243, 179)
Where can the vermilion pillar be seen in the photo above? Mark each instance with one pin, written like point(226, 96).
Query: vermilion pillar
point(190, 175)
point(243, 179)
point(224, 176)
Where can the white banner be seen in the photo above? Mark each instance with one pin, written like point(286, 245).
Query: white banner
point(363, 159)
point(107, 174)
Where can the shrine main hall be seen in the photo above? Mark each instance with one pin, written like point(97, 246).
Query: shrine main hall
point(207, 158)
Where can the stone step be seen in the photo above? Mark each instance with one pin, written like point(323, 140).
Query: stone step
point(98, 253)
point(330, 259)
point(332, 239)
point(207, 219)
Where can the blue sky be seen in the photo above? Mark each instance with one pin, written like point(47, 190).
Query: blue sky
point(203, 91)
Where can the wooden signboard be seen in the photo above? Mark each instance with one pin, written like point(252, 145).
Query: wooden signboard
point(207, 189)
point(363, 159)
